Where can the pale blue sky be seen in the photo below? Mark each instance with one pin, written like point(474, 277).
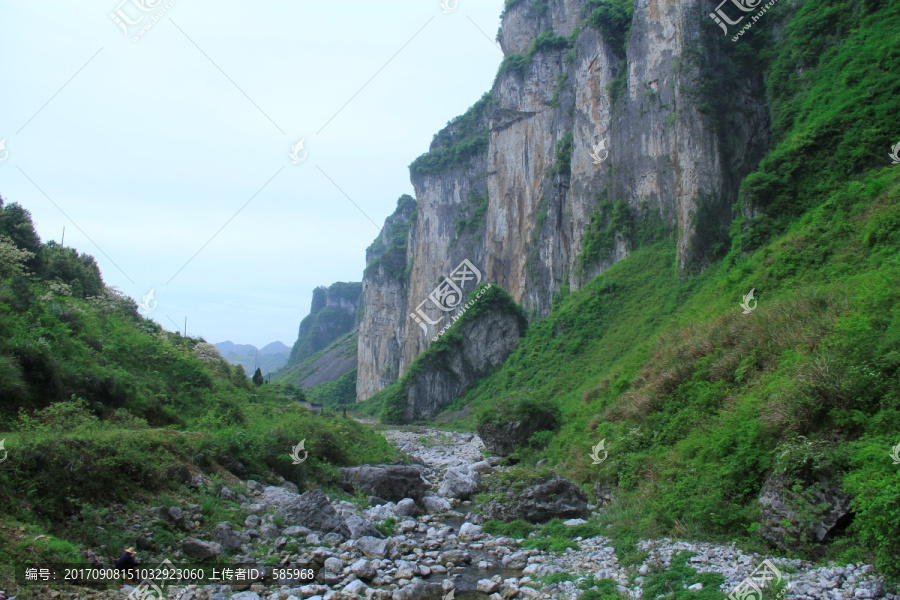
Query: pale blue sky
point(150, 148)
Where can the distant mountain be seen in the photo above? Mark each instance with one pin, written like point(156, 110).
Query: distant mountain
point(332, 314)
point(270, 357)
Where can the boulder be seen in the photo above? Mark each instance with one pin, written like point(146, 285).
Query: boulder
point(200, 549)
point(236, 467)
point(364, 569)
point(269, 531)
point(540, 502)
point(252, 521)
point(373, 547)
point(417, 589)
point(333, 564)
point(246, 596)
point(435, 505)
point(792, 520)
point(382, 512)
point(310, 509)
point(297, 531)
point(225, 534)
point(176, 515)
point(504, 437)
point(456, 556)
point(482, 467)
point(468, 531)
point(226, 493)
point(459, 482)
point(407, 508)
point(392, 482)
point(359, 527)
point(355, 588)
point(517, 560)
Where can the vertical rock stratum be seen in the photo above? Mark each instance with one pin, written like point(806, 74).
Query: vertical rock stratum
point(608, 125)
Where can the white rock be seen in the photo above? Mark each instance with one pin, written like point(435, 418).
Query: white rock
point(469, 531)
point(356, 588)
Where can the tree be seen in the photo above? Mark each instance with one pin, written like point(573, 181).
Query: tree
point(258, 378)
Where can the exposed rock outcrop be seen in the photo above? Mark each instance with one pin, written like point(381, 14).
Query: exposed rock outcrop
point(540, 502)
point(310, 509)
point(794, 520)
point(485, 334)
point(503, 438)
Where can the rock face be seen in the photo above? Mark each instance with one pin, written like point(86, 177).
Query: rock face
point(514, 184)
point(391, 482)
point(792, 520)
point(381, 333)
point(541, 502)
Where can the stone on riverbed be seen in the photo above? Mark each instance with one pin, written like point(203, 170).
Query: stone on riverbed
point(459, 482)
point(417, 589)
point(373, 547)
point(311, 509)
point(391, 482)
point(538, 503)
point(468, 531)
point(435, 505)
point(364, 569)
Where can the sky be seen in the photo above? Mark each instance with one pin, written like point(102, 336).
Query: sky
point(234, 155)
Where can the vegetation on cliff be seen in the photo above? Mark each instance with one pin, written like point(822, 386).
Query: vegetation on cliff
point(388, 257)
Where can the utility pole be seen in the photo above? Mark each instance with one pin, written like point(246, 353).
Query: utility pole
point(185, 328)
point(63, 242)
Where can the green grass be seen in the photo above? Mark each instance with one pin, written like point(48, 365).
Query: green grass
point(103, 409)
point(670, 584)
point(696, 400)
point(335, 395)
point(388, 527)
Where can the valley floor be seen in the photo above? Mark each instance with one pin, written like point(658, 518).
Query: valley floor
point(430, 555)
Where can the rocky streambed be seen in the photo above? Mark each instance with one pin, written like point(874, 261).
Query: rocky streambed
point(433, 546)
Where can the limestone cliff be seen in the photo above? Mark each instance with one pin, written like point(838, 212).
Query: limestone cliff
point(608, 125)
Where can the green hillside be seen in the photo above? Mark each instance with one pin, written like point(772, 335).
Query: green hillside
point(100, 407)
point(698, 403)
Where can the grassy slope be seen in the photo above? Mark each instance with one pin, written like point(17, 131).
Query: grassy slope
point(698, 402)
point(100, 408)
